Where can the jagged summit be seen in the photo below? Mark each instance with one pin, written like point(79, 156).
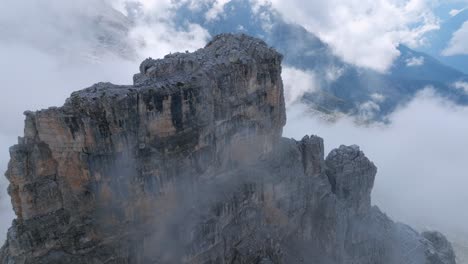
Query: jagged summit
point(223, 50)
point(188, 166)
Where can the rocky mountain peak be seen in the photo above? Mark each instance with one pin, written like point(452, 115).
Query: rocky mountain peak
point(351, 175)
point(188, 166)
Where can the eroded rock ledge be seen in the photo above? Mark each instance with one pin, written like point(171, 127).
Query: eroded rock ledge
point(188, 166)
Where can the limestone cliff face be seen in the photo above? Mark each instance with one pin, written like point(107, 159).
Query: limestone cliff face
point(188, 166)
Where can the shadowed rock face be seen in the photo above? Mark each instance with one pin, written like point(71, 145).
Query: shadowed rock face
point(188, 166)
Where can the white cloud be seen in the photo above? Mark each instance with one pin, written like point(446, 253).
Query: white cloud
point(364, 32)
point(70, 29)
point(458, 44)
point(415, 61)
point(91, 30)
point(462, 86)
point(455, 12)
point(158, 39)
point(165, 8)
point(216, 9)
point(333, 73)
point(421, 157)
point(368, 111)
point(297, 83)
point(377, 97)
point(147, 5)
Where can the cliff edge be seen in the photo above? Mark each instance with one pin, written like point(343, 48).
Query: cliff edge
point(188, 166)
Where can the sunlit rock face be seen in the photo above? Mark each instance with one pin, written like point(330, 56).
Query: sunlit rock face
point(188, 166)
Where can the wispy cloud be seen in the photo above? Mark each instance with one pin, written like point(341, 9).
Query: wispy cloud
point(461, 86)
point(216, 9)
point(297, 83)
point(455, 12)
point(415, 61)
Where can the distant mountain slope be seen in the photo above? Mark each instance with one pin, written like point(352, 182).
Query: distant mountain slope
point(417, 65)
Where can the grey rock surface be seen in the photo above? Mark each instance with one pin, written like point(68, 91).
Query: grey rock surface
point(351, 176)
point(188, 166)
point(439, 250)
